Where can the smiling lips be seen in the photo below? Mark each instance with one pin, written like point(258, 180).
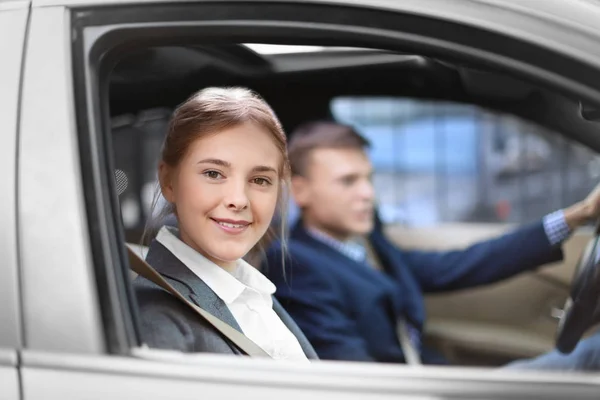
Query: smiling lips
point(231, 226)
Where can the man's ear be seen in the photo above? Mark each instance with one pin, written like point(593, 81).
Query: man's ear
point(166, 182)
point(300, 190)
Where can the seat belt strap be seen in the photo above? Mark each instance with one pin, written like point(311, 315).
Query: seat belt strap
point(411, 354)
point(247, 346)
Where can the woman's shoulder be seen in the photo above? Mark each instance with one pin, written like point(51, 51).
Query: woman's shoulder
point(153, 300)
point(167, 323)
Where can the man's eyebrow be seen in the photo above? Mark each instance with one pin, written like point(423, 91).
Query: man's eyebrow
point(349, 175)
point(215, 161)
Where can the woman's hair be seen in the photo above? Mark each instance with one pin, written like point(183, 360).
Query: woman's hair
point(210, 111)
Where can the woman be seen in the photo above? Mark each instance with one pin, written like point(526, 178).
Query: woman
point(223, 170)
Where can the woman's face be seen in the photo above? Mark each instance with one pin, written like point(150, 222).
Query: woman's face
point(225, 191)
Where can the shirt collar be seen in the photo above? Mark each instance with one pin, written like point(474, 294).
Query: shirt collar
point(225, 285)
point(350, 248)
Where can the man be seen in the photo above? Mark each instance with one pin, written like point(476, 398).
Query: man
point(363, 299)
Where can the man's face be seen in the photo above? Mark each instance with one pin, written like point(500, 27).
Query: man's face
point(336, 192)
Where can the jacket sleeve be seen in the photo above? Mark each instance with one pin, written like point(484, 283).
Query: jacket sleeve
point(315, 302)
point(485, 262)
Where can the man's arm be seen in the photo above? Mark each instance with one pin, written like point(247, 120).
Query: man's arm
point(493, 260)
point(314, 301)
point(485, 262)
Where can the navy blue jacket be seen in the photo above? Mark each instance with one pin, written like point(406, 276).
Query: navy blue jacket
point(348, 311)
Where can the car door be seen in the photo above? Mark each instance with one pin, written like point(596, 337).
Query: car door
point(13, 30)
point(81, 338)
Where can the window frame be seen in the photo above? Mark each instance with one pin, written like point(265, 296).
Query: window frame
point(14, 23)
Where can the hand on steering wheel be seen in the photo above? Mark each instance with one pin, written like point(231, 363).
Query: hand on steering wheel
point(582, 308)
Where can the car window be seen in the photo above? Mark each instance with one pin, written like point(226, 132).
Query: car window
point(137, 139)
point(441, 162)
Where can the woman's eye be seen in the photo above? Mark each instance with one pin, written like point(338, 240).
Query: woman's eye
point(262, 181)
point(212, 174)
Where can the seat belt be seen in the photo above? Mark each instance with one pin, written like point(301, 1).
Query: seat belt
point(142, 268)
point(411, 353)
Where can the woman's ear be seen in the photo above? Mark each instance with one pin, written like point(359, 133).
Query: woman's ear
point(166, 182)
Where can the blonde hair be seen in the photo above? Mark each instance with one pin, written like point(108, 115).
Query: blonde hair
point(210, 111)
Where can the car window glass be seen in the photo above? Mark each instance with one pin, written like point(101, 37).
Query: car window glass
point(447, 162)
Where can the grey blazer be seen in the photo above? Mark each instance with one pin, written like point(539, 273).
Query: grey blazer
point(167, 323)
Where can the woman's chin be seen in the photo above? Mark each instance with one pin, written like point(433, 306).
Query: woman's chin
point(226, 251)
point(229, 257)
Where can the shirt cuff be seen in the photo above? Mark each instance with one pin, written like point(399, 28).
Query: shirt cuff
point(556, 227)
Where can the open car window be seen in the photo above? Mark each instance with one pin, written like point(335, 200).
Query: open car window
point(447, 173)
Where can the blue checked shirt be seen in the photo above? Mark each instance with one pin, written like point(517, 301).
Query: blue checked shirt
point(555, 226)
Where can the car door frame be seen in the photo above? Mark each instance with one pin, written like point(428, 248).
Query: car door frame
point(14, 17)
point(102, 331)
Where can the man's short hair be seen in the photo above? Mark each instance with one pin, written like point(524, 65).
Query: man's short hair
point(321, 135)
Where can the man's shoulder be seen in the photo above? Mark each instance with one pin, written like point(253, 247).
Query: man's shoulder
point(298, 255)
point(292, 248)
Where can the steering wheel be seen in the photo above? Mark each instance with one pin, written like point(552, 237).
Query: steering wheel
point(582, 308)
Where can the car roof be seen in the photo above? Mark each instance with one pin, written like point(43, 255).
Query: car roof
point(568, 26)
point(575, 12)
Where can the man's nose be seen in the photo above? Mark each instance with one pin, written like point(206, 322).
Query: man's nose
point(366, 190)
point(236, 197)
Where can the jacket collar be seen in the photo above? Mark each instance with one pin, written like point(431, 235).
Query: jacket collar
point(227, 285)
point(337, 258)
point(195, 289)
point(391, 258)
point(188, 283)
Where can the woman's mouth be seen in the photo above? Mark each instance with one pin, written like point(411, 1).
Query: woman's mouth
point(231, 226)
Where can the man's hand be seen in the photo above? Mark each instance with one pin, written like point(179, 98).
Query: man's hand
point(586, 210)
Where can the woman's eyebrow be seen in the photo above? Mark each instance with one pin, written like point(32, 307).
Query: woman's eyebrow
point(215, 161)
point(227, 164)
point(264, 168)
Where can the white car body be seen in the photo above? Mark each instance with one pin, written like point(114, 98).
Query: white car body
point(52, 333)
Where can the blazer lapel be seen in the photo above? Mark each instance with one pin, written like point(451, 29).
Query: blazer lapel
point(398, 268)
point(397, 279)
point(188, 283)
point(340, 260)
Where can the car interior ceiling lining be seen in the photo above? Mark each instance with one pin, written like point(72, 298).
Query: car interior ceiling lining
point(165, 76)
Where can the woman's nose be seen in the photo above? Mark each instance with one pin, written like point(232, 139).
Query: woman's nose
point(236, 197)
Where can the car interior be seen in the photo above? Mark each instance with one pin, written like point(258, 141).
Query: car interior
point(486, 326)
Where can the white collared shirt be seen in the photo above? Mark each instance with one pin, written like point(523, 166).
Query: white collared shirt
point(247, 293)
